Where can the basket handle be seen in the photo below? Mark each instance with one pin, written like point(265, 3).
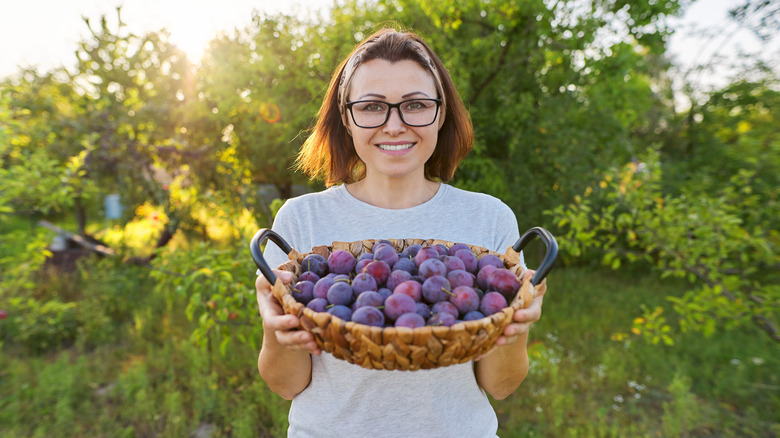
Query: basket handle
point(257, 254)
point(549, 256)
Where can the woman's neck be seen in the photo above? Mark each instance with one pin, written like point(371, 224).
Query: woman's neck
point(393, 194)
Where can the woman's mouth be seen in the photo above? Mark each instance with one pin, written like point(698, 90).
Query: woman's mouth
point(394, 147)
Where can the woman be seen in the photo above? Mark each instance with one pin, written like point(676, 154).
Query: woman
point(389, 135)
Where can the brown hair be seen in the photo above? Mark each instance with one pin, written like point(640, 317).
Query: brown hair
point(329, 153)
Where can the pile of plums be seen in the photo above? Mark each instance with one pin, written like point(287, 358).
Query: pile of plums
point(422, 285)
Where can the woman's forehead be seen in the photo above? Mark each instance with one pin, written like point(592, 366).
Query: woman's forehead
point(379, 76)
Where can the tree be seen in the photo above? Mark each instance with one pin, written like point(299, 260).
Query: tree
point(557, 90)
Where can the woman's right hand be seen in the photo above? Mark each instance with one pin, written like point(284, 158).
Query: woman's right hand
point(283, 327)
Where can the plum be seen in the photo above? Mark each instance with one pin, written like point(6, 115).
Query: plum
point(341, 262)
point(411, 251)
point(369, 298)
point(397, 277)
point(405, 264)
point(460, 277)
point(436, 289)
point(465, 299)
point(504, 281)
point(445, 307)
point(442, 319)
point(432, 267)
point(423, 310)
point(321, 287)
point(309, 276)
point(340, 293)
point(315, 263)
point(341, 311)
point(489, 259)
point(473, 315)
point(491, 303)
point(303, 291)
point(379, 270)
point(386, 253)
point(411, 288)
point(385, 292)
point(411, 320)
point(469, 259)
point(317, 304)
point(369, 316)
point(457, 247)
point(453, 263)
point(425, 253)
point(398, 304)
point(483, 274)
point(363, 282)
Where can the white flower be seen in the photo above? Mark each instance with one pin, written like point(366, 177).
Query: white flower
point(636, 386)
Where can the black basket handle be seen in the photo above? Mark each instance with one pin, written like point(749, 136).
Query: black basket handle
point(549, 256)
point(257, 254)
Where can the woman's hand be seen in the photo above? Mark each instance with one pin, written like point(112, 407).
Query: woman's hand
point(522, 319)
point(502, 369)
point(283, 327)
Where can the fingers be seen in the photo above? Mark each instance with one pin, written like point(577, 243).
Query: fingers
point(262, 283)
point(522, 320)
point(297, 340)
point(286, 330)
point(265, 298)
point(283, 327)
point(531, 313)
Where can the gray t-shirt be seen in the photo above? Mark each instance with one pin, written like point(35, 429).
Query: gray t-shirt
point(343, 399)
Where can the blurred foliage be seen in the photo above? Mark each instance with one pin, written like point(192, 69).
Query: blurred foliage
point(568, 99)
point(725, 243)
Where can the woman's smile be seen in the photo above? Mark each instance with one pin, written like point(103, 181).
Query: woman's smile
point(395, 146)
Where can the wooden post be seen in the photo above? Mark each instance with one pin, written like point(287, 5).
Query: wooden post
point(100, 249)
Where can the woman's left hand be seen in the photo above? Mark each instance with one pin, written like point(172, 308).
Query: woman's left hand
point(524, 318)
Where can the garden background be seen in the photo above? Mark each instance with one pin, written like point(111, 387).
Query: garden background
point(663, 307)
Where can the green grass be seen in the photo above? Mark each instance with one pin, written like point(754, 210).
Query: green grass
point(584, 384)
point(132, 369)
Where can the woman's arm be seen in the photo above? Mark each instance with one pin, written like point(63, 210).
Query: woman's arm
point(285, 357)
point(504, 368)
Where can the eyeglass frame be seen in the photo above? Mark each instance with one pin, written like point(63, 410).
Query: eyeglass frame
point(390, 106)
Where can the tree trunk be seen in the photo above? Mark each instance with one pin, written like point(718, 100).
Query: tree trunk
point(81, 216)
point(285, 189)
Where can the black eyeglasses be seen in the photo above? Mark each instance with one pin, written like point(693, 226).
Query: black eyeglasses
point(375, 113)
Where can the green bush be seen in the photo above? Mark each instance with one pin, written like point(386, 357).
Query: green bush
point(215, 288)
point(41, 326)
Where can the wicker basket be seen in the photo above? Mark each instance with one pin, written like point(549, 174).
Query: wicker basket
point(401, 348)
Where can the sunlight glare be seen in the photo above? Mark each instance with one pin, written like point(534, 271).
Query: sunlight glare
point(191, 29)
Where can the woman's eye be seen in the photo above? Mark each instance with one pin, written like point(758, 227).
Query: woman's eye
point(372, 107)
point(415, 105)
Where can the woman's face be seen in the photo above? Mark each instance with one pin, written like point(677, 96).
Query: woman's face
point(395, 149)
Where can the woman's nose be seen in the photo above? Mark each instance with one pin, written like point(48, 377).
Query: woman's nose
point(394, 123)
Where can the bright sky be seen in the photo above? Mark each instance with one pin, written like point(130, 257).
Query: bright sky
point(45, 33)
